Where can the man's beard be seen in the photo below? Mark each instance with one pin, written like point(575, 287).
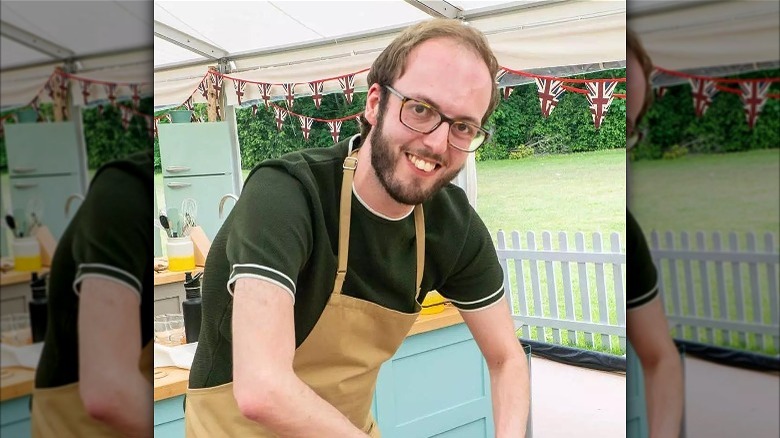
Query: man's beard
point(384, 160)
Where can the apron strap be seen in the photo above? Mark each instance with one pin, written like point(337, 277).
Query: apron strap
point(345, 210)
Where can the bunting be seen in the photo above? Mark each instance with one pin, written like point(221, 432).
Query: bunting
point(127, 116)
point(203, 87)
point(254, 110)
point(240, 87)
point(111, 93)
point(280, 114)
point(136, 96)
point(703, 90)
point(508, 92)
point(85, 90)
point(265, 90)
point(550, 92)
point(289, 94)
point(660, 92)
point(348, 86)
point(305, 126)
point(316, 92)
point(753, 99)
point(335, 128)
point(599, 98)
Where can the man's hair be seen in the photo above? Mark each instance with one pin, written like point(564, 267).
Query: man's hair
point(633, 45)
point(391, 63)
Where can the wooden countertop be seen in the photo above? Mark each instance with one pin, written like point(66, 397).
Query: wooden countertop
point(16, 382)
point(10, 278)
point(177, 379)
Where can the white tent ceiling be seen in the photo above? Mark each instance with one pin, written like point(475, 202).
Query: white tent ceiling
point(711, 38)
point(106, 41)
point(278, 42)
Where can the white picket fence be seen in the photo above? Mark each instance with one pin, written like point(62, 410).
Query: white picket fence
point(710, 287)
point(577, 299)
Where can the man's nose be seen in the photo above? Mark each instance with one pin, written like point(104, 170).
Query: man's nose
point(438, 140)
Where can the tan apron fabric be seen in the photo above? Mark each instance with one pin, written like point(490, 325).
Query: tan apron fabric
point(60, 413)
point(339, 360)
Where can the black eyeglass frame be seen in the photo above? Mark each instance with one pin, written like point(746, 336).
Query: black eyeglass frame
point(442, 119)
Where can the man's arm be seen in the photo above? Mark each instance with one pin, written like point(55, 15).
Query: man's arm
point(111, 385)
point(648, 332)
point(264, 384)
point(510, 384)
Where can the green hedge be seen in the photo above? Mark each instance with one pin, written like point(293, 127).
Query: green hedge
point(104, 135)
point(672, 128)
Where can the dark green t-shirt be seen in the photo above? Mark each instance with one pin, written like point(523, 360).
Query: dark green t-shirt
point(641, 273)
point(110, 236)
point(284, 229)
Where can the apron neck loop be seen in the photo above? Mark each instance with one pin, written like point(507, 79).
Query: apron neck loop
point(345, 210)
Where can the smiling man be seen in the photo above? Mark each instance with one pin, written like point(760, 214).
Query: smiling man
point(317, 275)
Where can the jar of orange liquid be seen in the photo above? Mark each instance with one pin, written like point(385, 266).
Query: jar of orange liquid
point(27, 254)
point(181, 254)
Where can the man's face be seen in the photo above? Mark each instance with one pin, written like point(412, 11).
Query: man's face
point(636, 87)
point(413, 166)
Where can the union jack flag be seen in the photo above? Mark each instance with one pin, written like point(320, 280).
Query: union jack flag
point(240, 86)
point(305, 126)
point(111, 92)
point(127, 116)
point(660, 91)
point(507, 92)
point(550, 92)
point(348, 86)
point(289, 94)
point(254, 110)
point(49, 89)
point(753, 99)
point(188, 103)
point(335, 128)
point(265, 91)
point(280, 114)
point(703, 90)
point(316, 92)
point(599, 98)
point(203, 87)
point(85, 90)
point(136, 95)
point(216, 82)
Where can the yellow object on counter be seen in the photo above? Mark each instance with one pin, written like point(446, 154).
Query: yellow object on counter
point(432, 304)
point(181, 264)
point(31, 263)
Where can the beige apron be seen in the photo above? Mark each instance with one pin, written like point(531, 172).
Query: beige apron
point(340, 358)
point(59, 412)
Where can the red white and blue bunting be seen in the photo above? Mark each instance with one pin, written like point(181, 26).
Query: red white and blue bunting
point(549, 91)
point(599, 99)
point(754, 96)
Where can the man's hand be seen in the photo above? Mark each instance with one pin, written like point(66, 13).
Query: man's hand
point(265, 386)
point(648, 331)
point(510, 384)
point(110, 383)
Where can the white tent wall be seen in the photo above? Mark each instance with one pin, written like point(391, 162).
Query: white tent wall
point(542, 35)
point(98, 40)
point(696, 35)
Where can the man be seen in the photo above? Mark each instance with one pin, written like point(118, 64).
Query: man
point(328, 254)
point(647, 327)
point(94, 377)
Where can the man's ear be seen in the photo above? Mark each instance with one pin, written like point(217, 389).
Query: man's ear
point(372, 104)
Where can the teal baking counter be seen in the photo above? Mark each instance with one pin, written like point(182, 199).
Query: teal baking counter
point(437, 384)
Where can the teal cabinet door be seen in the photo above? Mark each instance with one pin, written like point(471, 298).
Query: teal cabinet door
point(47, 197)
point(42, 148)
point(15, 417)
point(195, 148)
point(169, 418)
point(207, 192)
point(636, 411)
point(437, 384)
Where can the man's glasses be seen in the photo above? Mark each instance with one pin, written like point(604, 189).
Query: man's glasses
point(424, 118)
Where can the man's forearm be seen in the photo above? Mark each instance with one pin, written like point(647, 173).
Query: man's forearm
point(511, 388)
point(664, 397)
point(290, 408)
